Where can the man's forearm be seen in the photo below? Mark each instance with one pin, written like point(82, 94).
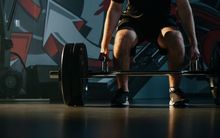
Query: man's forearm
point(187, 20)
point(112, 17)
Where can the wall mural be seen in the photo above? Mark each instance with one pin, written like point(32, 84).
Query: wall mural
point(42, 27)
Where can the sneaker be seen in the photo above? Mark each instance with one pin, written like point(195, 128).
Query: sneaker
point(177, 98)
point(120, 99)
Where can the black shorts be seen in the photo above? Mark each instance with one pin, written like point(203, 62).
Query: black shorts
point(148, 29)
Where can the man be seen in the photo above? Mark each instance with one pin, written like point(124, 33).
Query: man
point(151, 19)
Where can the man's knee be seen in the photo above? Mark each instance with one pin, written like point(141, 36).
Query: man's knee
point(175, 42)
point(124, 41)
point(176, 48)
point(174, 37)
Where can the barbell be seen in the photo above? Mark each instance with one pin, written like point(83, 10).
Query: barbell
point(73, 74)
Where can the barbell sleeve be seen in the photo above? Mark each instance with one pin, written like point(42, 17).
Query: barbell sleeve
point(54, 74)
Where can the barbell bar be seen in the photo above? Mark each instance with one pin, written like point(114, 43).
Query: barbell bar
point(74, 73)
point(56, 74)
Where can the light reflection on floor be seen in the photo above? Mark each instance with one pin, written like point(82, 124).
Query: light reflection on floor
point(35, 120)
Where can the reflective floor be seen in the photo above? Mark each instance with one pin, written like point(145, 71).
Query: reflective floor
point(44, 120)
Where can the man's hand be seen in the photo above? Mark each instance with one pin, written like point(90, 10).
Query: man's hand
point(195, 54)
point(104, 50)
point(103, 57)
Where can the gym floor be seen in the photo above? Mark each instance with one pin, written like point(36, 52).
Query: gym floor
point(142, 120)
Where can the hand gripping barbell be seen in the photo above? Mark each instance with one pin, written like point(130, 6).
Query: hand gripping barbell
point(74, 74)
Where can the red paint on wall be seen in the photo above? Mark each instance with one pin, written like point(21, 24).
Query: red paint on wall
point(103, 7)
point(32, 9)
point(79, 24)
point(21, 43)
point(52, 46)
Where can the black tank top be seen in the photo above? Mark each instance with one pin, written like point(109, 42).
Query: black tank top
point(145, 9)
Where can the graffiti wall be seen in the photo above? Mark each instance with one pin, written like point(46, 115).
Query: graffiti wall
point(40, 28)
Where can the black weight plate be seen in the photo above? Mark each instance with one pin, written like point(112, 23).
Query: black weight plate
point(66, 86)
point(215, 59)
point(74, 64)
point(215, 66)
point(80, 69)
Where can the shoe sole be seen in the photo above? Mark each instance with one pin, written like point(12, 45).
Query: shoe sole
point(179, 104)
point(126, 104)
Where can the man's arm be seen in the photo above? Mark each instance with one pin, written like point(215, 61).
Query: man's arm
point(111, 20)
point(186, 16)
